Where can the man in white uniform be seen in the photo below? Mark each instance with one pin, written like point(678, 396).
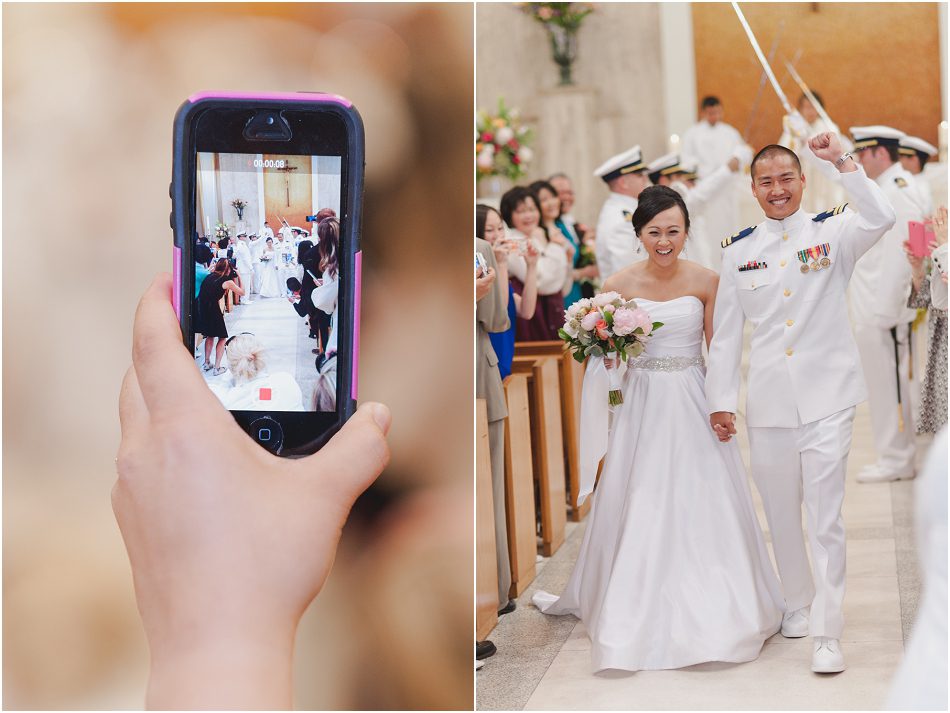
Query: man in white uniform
point(788, 275)
point(710, 144)
point(616, 245)
point(668, 171)
point(914, 154)
point(879, 309)
point(245, 266)
point(266, 232)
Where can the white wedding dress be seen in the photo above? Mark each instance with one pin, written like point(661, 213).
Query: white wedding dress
point(270, 284)
point(673, 569)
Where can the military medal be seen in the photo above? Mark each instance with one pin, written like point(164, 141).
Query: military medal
point(825, 249)
point(803, 257)
point(815, 258)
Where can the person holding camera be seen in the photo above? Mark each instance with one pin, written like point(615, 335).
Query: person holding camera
point(209, 318)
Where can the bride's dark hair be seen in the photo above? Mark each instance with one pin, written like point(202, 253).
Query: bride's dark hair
point(653, 201)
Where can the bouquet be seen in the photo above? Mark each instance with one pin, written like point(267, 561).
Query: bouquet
point(501, 144)
point(239, 206)
point(568, 15)
point(607, 325)
point(221, 231)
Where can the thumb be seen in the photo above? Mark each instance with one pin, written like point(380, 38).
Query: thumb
point(354, 457)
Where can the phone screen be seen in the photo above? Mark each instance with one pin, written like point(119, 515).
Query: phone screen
point(272, 348)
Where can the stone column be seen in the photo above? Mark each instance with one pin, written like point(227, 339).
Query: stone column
point(567, 142)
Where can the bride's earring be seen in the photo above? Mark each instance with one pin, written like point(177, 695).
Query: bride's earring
point(639, 245)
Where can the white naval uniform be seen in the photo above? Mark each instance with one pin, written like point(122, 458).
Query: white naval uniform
point(805, 379)
point(245, 268)
point(879, 292)
point(703, 246)
point(615, 244)
point(925, 192)
point(256, 247)
point(711, 147)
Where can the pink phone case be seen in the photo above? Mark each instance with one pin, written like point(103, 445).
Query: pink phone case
point(920, 238)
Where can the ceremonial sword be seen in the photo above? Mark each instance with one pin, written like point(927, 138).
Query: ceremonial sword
point(762, 60)
point(758, 92)
point(811, 97)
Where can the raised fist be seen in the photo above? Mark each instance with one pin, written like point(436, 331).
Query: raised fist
point(826, 146)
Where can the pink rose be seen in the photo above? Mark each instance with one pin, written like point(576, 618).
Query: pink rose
point(589, 321)
point(625, 321)
point(601, 328)
point(644, 321)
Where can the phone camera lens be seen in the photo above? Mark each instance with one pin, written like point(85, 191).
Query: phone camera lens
point(269, 121)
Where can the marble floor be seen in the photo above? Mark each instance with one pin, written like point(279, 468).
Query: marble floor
point(543, 663)
point(276, 323)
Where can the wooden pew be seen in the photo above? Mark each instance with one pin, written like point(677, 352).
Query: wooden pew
point(486, 565)
point(571, 375)
point(547, 446)
point(519, 486)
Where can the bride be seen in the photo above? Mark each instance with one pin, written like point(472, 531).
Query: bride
point(673, 570)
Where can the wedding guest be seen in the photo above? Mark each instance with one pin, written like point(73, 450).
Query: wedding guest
point(209, 563)
point(933, 398)
point(267, 231)
point(880, 316)
point(617, 246)
point(711, 143)
point(209, 319)
point(245, 268)
point(256, 247)
point(585, 263)
point(324, 295)
point(914, 154)
point(490, 227)
point(558, 230)
point(522, 213)
point(253, 387)
point(491, 316)
point(203, 258)
point(319, 320)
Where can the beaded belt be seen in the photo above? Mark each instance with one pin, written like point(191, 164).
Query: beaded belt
point(665, 363)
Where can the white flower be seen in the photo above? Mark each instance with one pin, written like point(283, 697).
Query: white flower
point(485, 159)
point(605, 298)
point(572, 328)
point(525, 154)
point(504, 135)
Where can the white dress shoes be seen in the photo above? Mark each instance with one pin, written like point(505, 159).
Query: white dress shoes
point(875, 474)
point(795, 624)
point(827, 657)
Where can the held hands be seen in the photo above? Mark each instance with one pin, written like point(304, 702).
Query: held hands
point(826, 146)
point(724, 424)
point(228, 544)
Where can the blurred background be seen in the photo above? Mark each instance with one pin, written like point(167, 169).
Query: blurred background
point(89, 93)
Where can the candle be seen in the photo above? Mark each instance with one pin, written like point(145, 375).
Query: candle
point(942, 141)
point(207, 227)
point(674, 144)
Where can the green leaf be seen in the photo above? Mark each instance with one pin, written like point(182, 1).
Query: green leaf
point(564, 335)
point(609, 318)
point(579, 356)
point(657, 325)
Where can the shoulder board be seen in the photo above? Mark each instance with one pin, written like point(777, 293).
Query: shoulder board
point(901, 183)
point(837, 210)
point(628, 216)
point(738, 236)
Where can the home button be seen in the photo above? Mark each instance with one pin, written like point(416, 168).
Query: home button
point(268, 433)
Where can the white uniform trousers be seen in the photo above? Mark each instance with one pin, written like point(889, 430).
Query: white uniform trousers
point(809, 460)
point(895, 447)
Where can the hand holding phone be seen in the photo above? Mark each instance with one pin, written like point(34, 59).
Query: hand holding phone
point(220, 581)
point(268, 149)
point(919, 238)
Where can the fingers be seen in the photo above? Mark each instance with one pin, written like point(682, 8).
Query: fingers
point(133, 413)
point(165, 370)
point(355, 456)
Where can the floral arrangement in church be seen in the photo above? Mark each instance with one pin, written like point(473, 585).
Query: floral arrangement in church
point(562, 20)
point(568, 15)
point(501, 144)
point(221, 231)
point(607, 325)
point(239, 206)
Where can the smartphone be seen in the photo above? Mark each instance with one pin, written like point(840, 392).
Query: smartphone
point(481, 264)
point(287, 157)
point(920, 235)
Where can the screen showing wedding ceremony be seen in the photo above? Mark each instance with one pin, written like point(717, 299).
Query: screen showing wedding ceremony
point(267, 245)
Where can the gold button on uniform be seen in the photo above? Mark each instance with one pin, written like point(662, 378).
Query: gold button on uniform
point(784, 236)
point(789, 322)
point(788, 292)
point(788, 352)
point(782, 263)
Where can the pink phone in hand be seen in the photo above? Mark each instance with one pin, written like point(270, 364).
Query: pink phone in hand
point(920, 235)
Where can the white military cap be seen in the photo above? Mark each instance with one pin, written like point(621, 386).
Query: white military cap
point(867, 136)
point(666, 165)
point(911, 144)
point(629, 161)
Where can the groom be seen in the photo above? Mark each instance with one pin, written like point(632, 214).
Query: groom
point(788, 275)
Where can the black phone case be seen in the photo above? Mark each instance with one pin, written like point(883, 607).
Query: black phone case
point(182, 191)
